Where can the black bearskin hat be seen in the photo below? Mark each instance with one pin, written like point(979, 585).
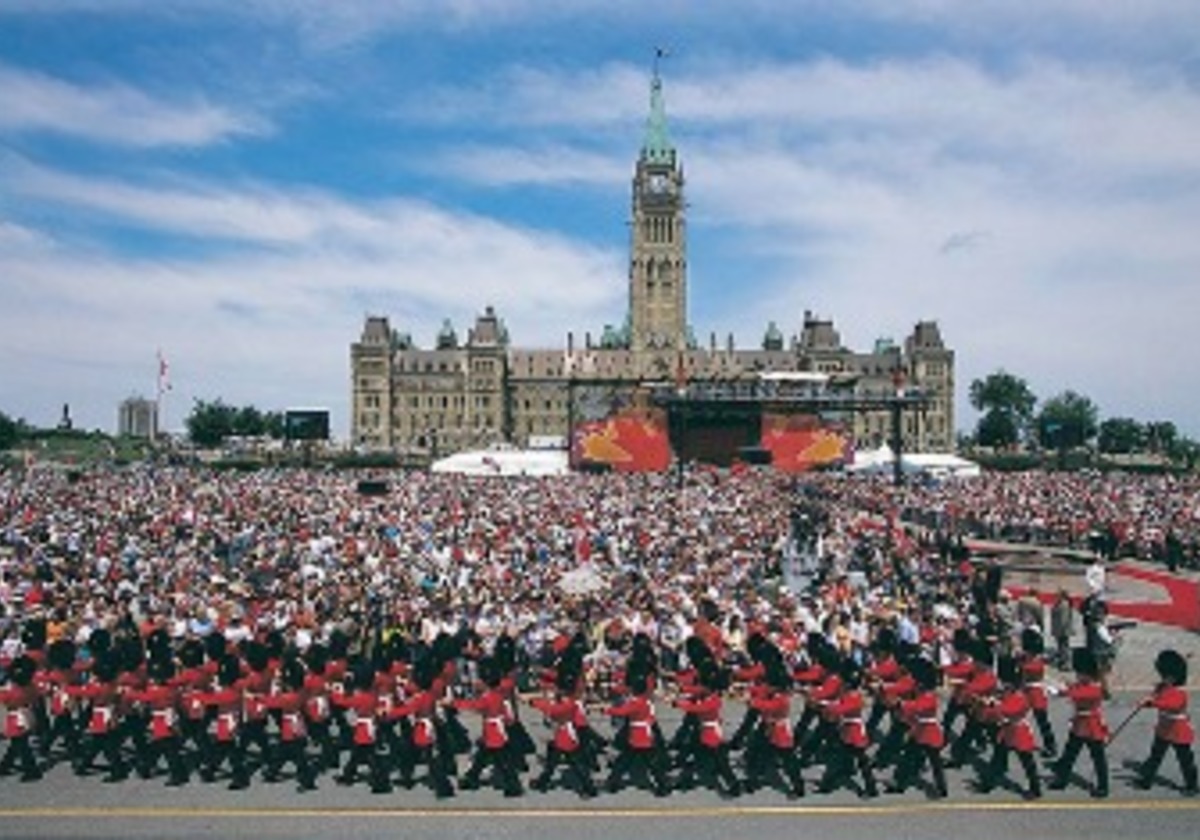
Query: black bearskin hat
point(1172, 667)
point(1032, 641)
point(1083, 661)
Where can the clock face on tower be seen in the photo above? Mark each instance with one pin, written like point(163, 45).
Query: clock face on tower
point(658, 184)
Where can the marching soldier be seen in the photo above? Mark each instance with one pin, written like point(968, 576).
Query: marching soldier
point(494, 747)
point(293, 732)
point(1014, 734)
point(639, 747)
point(317, 708)
point(925, 734)
point(423, 745)
point(1174, 728)
point(1033, 675)
point(362, 708)
point(1088, 727)
point(161, 699)
point(706, 750)
point(225, 715)
point(845, 716)
point(54, 684)
point(20, 701)
point(101, 704)
point(771, 743)
point(564, 712)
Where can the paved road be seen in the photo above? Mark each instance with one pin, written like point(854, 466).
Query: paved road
point(65, 806)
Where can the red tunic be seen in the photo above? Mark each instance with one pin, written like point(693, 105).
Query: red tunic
point(492, 705)
point(162, 701)
point(562, 713)
point(1033, 673)
point(1174, 725)
point(291, 721)
point(421, 706)
point(364, 704)
point(707, 708)
point(1088, 719)
point(228, 704)
point(640, 712)
point(316, 707)
point(847, 711)
point(1012, 716)
point(921, 715)
point(19, 701)
point(102, 696)
point(775, 708)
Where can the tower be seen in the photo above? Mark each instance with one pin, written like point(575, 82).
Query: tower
point(658, 245)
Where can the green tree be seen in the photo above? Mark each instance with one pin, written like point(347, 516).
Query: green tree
point(1066, 421)
point(9, 432)
point(1006, 404)
point(248, 422)
point(1161, 436)
point(1121, 435)
point(210, 422)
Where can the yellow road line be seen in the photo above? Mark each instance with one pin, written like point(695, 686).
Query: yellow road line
point(601, 813)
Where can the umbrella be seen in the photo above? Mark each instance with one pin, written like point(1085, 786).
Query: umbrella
point(582, 581)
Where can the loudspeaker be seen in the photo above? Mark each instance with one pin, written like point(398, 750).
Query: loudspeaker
point(372, 487)
point(754, 455)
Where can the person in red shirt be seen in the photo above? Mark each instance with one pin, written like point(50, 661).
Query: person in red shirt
point(977, 695)
point(819, 701)
point(317, 707)
point(362, 715)
point(1009, 713)
point(925, 734)
point(225, 715)
point(293, 731)
point(192, 680)
point(707, 751)
point(160, 698)
point(564, 711)
point(54, 683)
point(423, 744)
point(1087, 725)
point(20, 699)
point(1033, 675)
point(845, 714)
point(256, 686)
point(771, 743)
point(1174, 728)
point(101, 706)
point(891, 694)
point(640, 748)
point(494, 747)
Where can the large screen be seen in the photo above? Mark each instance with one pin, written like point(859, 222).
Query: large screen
point(306, 424)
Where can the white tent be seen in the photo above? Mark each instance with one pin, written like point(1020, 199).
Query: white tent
point(505, 462)
point(939, 465)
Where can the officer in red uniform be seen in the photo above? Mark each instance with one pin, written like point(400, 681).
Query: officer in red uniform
point(100, 704)
point(225, 715)
point(256, 685)
point(494, 747)
point(1009, 713)
point(362, 716)
point(771, 743)
point(1174, 728)
point(54, 683)
point(20, 699)
point(192, 680)
point(160, 698)
point(1033, 676)
point(925, 734)
point(424, 747)
point(707, 752)
point(564, 710)
point(639, 748)
point(289, 702)
point(1087, 724)
point(976, 696)
point(845, 715)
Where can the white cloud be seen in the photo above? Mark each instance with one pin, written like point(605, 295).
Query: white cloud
point(113, 113)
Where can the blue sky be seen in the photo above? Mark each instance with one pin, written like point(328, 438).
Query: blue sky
point(239, 183)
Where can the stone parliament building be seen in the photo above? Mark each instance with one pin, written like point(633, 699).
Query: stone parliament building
point(471, 391)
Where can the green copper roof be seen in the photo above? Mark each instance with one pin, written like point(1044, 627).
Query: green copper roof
point(657, 148)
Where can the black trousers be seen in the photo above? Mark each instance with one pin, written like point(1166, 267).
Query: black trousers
point(108, 743)
point(295, 751)
point(168, 748)
point(651, 761)
point(708, 761)
point(440, 764)
point(1066, 763)
point(367, 754)
point(762, 756)
point(912, 759)
point(61, 726)
point(579, 763)
point(1183, 754)
point(1049, 745)
point(20, 751)
point(841, 765)
point(218, 752)
point(997, 769)
point(504, 769)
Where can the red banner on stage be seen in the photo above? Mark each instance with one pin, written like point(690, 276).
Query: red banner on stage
point(632, 441)
point(801, 442)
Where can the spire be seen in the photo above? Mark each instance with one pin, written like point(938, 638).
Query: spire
point(657, 148)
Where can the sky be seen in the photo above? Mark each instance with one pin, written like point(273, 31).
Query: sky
point(237, 183)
